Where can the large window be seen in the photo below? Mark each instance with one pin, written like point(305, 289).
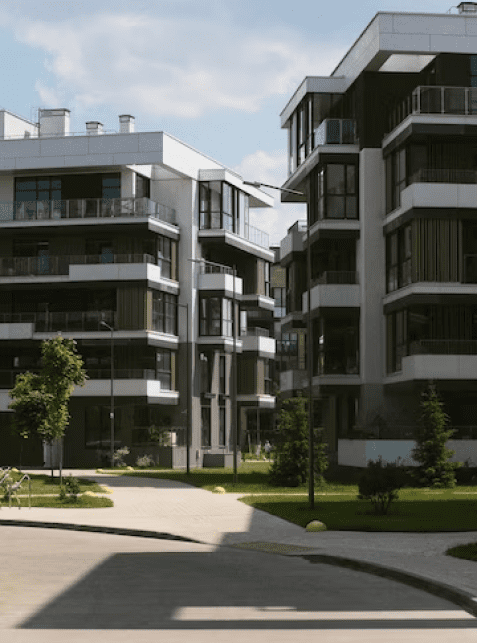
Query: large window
point(143, 187)
point(164, 369)
point(216, 316)
point(206, 437)
point(279, 309)
point(398, 258)
point(164, 312)
point(335, 192)
point(223, 206)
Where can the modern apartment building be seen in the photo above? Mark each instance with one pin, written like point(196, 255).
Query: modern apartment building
point(138, 245)
point(384, 151)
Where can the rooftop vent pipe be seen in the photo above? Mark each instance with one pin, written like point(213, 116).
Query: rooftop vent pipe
point(467, 7)
point(94, 127)
point(126, 124)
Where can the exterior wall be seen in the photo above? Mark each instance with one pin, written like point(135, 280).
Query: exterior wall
point(371, 260)
point(357, 453)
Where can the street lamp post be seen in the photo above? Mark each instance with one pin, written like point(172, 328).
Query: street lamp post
point(111, 412)
point(311, 450)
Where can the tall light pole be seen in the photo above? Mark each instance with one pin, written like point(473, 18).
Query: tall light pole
point(311, 450)
point(111, 412)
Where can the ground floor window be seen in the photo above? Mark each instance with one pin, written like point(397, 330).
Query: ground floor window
point(206, 437)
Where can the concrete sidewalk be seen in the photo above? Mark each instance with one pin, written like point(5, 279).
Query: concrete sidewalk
point(176, 509)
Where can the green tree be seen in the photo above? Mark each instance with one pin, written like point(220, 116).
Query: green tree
point(40, 401)
point(431, 436)
point(291, 455)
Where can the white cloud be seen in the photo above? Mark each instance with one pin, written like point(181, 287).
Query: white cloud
point(272, 169)
point(175, 66)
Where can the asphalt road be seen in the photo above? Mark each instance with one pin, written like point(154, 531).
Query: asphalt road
point(91, 587)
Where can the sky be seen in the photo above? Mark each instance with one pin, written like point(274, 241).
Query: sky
point(213, 73)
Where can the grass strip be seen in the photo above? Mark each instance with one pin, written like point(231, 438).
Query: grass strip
point(467, 552)
point(83, 502)
point(342, 513)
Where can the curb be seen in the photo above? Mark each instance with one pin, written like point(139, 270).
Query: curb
point(459, 597)
point(120, 531)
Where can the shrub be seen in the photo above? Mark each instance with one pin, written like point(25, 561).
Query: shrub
point(72, 486)
point(144, 461)
point(432, 433)
point(119, 456)
point(380, 483)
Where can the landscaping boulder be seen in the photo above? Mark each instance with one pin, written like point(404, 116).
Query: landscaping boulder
point(316, 525)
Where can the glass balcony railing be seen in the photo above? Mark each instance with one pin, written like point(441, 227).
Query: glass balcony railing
point(8, 377)
point(425, 175)
point(435, 100)
point(63, 321)
point(59, 265)
point(336, 131)
point(339, 277)
point(443, 347)
point(84, 209)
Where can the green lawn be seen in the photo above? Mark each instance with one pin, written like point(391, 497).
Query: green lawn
point(83, 502)
point(468, 552)
point(42, 484)
point(45, 490)
point(252, 478)
point(416, 510)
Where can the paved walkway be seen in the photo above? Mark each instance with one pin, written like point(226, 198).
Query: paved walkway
point(169, 507)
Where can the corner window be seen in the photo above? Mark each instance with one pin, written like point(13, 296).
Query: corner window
point(335, 192)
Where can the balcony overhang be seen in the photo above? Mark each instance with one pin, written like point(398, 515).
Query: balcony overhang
point(222, 282)
point(429, 293)
point(257, 198)
point(257, 400)
point(261, 346)
point(150, 389)
point(445, 368)
point(332, 296)
point(221, 236)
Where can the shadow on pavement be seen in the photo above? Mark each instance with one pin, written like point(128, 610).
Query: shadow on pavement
point(151, 590)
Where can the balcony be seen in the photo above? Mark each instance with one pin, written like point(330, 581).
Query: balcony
point(334, 288)
point(430, 194)
point(83, 267)
point(336, 131)
point(258, 340)
point(437, 359)
point(439, 101)
point(214, 276)
point(85, 209)
point(23, 325)
point(213, 228)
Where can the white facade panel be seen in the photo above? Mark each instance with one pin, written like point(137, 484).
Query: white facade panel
point(357, 453)
point(71, 146)
point(415, 43)
point(453, 44)
point(16, 331)
point(428, 24)
point(220, 281)
point(333, 295)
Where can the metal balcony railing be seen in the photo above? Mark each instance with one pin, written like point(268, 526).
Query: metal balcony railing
point(70, 321)
point(256, 332)
point(209, 267)
point(435, 100)
point(7, 377)
point(448, 175)
point(85, 209)
point(336, 131)
point(251, 233)
point(443, 347)
point(60, 264)
point(337, 277)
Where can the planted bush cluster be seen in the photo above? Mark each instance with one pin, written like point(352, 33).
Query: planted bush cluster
point(380, 484)
point(291, 455)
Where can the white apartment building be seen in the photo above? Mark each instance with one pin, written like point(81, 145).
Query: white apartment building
point(384, 151)
point(133, 243)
